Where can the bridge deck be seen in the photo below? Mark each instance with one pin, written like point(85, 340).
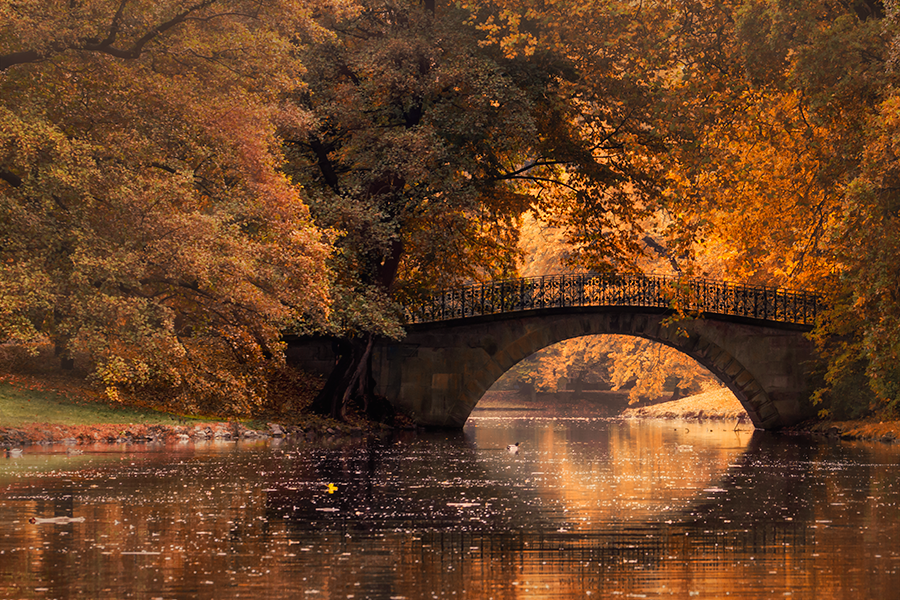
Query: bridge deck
point(693, 296)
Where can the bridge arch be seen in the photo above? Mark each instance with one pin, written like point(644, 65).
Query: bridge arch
point(441, 370)
point(460, 341)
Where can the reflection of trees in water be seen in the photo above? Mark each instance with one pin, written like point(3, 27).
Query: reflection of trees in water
point(771, 504)
point(439, 481)
point(618, 472)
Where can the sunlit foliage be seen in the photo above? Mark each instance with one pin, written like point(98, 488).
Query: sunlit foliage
point(789, 179)
point(648, 370)
point(157, 160)
point(431, 137)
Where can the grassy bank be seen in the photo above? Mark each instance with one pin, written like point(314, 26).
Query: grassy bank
point(52, 407)
point(20, 407)
point(58, 409)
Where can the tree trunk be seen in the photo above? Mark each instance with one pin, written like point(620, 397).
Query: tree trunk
point(351, 383)
point(66, 362)
point(325, 402)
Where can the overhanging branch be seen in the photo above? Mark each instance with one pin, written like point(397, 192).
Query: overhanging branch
point(105, 46)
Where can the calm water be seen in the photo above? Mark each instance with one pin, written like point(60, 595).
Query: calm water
point(587, 508)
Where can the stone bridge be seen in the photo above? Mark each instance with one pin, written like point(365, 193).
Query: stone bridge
point(459, 342)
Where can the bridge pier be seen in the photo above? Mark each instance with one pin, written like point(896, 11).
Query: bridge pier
point(440, 370)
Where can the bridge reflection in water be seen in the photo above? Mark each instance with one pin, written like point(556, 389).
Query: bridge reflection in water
point(461, 341)
point(586, 507)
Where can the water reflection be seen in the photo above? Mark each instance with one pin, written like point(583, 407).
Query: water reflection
point(586, 508)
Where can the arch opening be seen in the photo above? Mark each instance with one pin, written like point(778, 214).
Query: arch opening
point(604, 374)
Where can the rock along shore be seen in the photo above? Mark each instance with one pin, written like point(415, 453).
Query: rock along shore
point(45, 433)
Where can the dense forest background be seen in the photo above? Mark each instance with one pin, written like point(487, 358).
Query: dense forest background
point(182, 182)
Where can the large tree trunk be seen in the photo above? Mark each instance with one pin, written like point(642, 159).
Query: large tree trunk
point(325, 403)
point(351, 384)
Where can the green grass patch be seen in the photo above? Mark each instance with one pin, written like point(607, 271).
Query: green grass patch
point(20, 407)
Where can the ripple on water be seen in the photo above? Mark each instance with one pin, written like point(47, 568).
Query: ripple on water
point(586, 506)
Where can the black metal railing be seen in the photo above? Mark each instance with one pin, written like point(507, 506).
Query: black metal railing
point(693, 296)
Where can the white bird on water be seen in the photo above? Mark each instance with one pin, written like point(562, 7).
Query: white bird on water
point(513, 448)
point(14, 452)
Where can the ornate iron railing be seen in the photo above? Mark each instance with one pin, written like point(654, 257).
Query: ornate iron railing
point(595, 289)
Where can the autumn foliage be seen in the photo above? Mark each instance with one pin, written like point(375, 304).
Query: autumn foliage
point(182, 182)
point(145, 222)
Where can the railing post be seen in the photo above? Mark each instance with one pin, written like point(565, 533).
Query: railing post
point(581, 290)
point(562, 291)
point(522, 293)
point(482, 298)
point(542, 292)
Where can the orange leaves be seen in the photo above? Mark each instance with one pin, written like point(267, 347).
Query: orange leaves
point(152, 231)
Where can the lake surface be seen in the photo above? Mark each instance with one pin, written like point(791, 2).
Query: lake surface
point(588, 508)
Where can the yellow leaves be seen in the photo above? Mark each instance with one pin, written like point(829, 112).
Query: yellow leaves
point(112, 394)
point(162, 241)
point(759, 179)
point(505, 30)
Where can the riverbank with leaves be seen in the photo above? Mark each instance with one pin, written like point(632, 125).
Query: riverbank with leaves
point(721, 405)
point(717, 404)
point(60, 409)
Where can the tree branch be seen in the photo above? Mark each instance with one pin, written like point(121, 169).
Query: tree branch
point(138, 47)
point(18, 58)
point(114, 26)
point(326, 167)
point(528, 167)
point(105, 46)
point(10, 178)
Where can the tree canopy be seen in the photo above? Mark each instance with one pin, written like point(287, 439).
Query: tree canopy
point(144, 221)
point(788, 180)
point(431, 136)
point(184, 181)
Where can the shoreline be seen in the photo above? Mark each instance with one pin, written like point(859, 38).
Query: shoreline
point(46, 434)
point(716, 405)
point(53, 409)
point(721, 405)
